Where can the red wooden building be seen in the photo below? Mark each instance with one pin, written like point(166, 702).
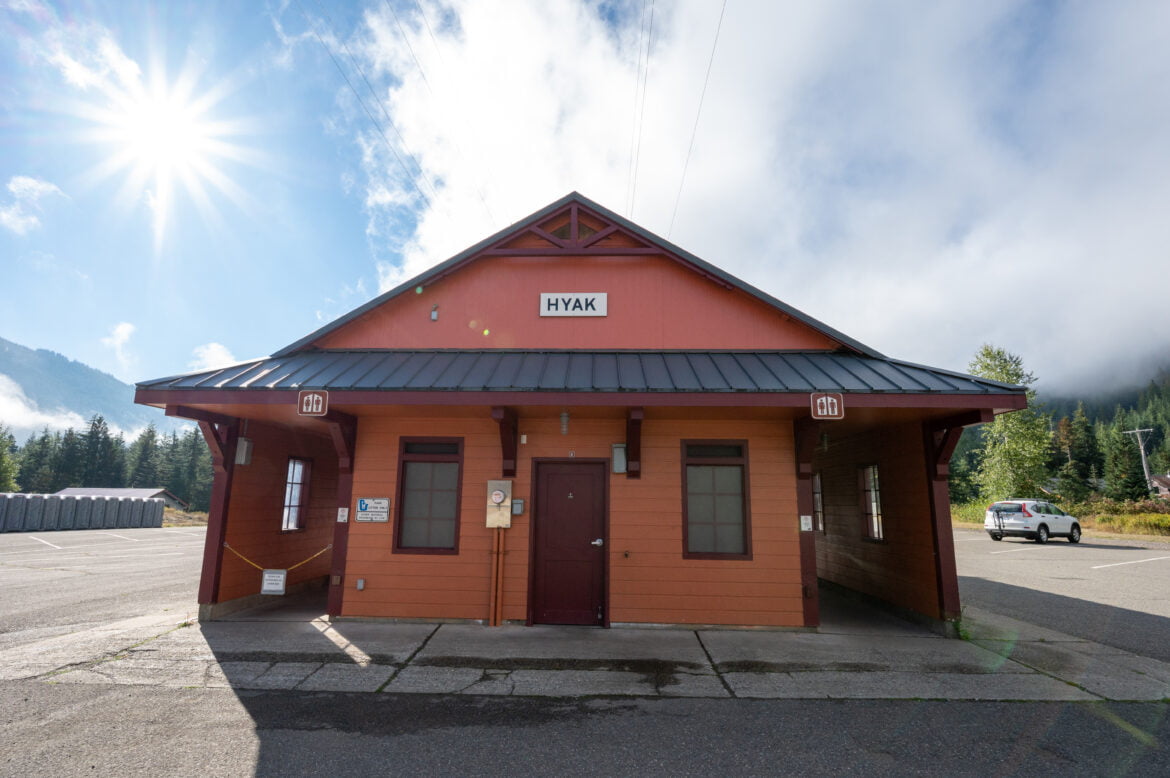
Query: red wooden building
point(575, 421)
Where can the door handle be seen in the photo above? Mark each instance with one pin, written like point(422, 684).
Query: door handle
point(599, 542)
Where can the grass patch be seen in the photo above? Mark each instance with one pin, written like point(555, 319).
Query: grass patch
point(1145, 517)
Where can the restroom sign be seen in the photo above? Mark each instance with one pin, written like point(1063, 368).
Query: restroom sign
point(574, 303)
point(313, 403)
point(827, 405)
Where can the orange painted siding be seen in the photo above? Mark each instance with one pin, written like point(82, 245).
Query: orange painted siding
point(649, 581)
point(653, 303)
point(899, 569)
point(257, 502)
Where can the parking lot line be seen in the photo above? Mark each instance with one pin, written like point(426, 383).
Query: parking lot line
point(1132, 562)
point(47, 543)
point(1013, 550)
point(123, 537)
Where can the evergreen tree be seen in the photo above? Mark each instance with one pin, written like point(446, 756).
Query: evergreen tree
point(1084, 450)
point(8, 466)
point(103, 460)
point(144, 460)
point(1069, 483)
point(35, 475)
point(1016, 445)
point(1125, 479)
point(68, 462)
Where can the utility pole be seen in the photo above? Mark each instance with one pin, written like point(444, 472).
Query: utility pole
point(1142, 448)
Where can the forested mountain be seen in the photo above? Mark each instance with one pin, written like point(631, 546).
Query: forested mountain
point(44, 388)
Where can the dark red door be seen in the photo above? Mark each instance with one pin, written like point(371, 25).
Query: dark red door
point(569, 554)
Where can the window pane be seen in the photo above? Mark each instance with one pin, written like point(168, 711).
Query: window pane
point(728, 480)
point(444, 475)
point(729, 538)
point(442, 534)
point(294, 494)
point(416, 504)
point(414, 532)
point(729, 509)
point(702, 450)
point(700, 507)
point(700, 479)
point(418, 475)
point(443, 505)
point(700, 538)
point(433, 447)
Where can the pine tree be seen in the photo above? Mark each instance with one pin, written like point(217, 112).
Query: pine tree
point(1016, 445)
point(68, 462)
point(103, 460)
point(1083, 447)
point(35, 475)
point(8, 465)
point(1125, 478)
point(144, 460)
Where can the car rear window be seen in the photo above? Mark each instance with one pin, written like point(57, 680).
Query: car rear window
point(1006, 507)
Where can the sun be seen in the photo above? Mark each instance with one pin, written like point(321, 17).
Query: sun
point(164, 139)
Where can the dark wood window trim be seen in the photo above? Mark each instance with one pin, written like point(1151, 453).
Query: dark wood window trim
point(818, 493)
point(295, 506)
point(405, 457)
point(869, 491)
point(740, 461)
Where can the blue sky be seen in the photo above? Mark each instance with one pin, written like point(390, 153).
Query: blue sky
point(184, 183)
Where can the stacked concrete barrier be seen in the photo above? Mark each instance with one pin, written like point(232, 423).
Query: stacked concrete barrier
point(48, 512)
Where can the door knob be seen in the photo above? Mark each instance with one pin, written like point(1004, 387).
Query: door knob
point(598, 542)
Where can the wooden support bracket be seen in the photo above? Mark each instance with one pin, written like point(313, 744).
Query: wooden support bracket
point(634, 442)
point(509, 438)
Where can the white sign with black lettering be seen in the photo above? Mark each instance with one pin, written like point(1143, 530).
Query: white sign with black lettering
point(373, 509)
point(574, 303)
point(272, 581)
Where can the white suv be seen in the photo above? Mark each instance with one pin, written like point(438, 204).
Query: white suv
point(1033, 519)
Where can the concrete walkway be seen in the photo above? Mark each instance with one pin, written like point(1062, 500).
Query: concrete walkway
point(856, 654)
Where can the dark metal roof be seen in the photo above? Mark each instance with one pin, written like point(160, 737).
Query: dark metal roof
point(584, 371)
point(442, 268)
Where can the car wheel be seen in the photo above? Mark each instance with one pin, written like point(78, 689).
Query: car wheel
point(997, 536)
point(1042, 534)
point(1074, 534)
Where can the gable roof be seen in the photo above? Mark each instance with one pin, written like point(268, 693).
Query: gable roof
point(573, 203)
point(97, 491)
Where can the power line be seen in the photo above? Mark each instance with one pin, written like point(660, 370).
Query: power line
point(410, 176)
point(427, 83)
point(640, 119)
point(698, 113)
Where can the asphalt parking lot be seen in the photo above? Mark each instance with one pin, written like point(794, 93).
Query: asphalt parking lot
point(56, 582)
point(1114, 591)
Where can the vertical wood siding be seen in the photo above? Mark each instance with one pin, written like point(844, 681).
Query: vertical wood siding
point(649, 581)
point(900, 568)
point(255, 512)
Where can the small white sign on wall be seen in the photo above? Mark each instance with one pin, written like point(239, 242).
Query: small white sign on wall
point(272, 581)
point(574, 303)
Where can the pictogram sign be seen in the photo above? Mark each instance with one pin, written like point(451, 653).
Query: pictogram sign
point(826, 405)
point(312, 403)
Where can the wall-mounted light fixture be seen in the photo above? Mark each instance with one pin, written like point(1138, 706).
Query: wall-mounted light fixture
point(619, 457)
point(564, 422)
point(435, 312)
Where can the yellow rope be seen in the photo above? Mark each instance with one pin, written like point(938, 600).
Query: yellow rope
point(294, 567)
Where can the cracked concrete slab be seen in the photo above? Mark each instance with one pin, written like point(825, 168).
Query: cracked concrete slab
point(281, 675)
point(903, 686)
point(553, 642)
point(347, 678)
point(1108, 674)
point(435, 680)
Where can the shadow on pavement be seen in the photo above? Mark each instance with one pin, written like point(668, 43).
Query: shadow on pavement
point(1134, 631)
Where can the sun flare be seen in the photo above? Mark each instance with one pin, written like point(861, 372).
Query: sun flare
point(163, 140)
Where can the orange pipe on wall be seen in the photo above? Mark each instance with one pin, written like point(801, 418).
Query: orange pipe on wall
point(493, 589)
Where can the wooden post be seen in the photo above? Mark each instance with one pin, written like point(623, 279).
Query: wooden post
point(221, 441)
point(343, 431)
point(804, 433)
point(939, 439)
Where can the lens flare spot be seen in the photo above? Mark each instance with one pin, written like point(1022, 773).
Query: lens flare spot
point(473, 325)
point(418, 290)
point(487, 332)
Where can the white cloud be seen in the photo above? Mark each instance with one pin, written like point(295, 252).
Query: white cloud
point(923, 179)
point(210, 356)
point(19, 215)
point(117, 340)
point(23, 417)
